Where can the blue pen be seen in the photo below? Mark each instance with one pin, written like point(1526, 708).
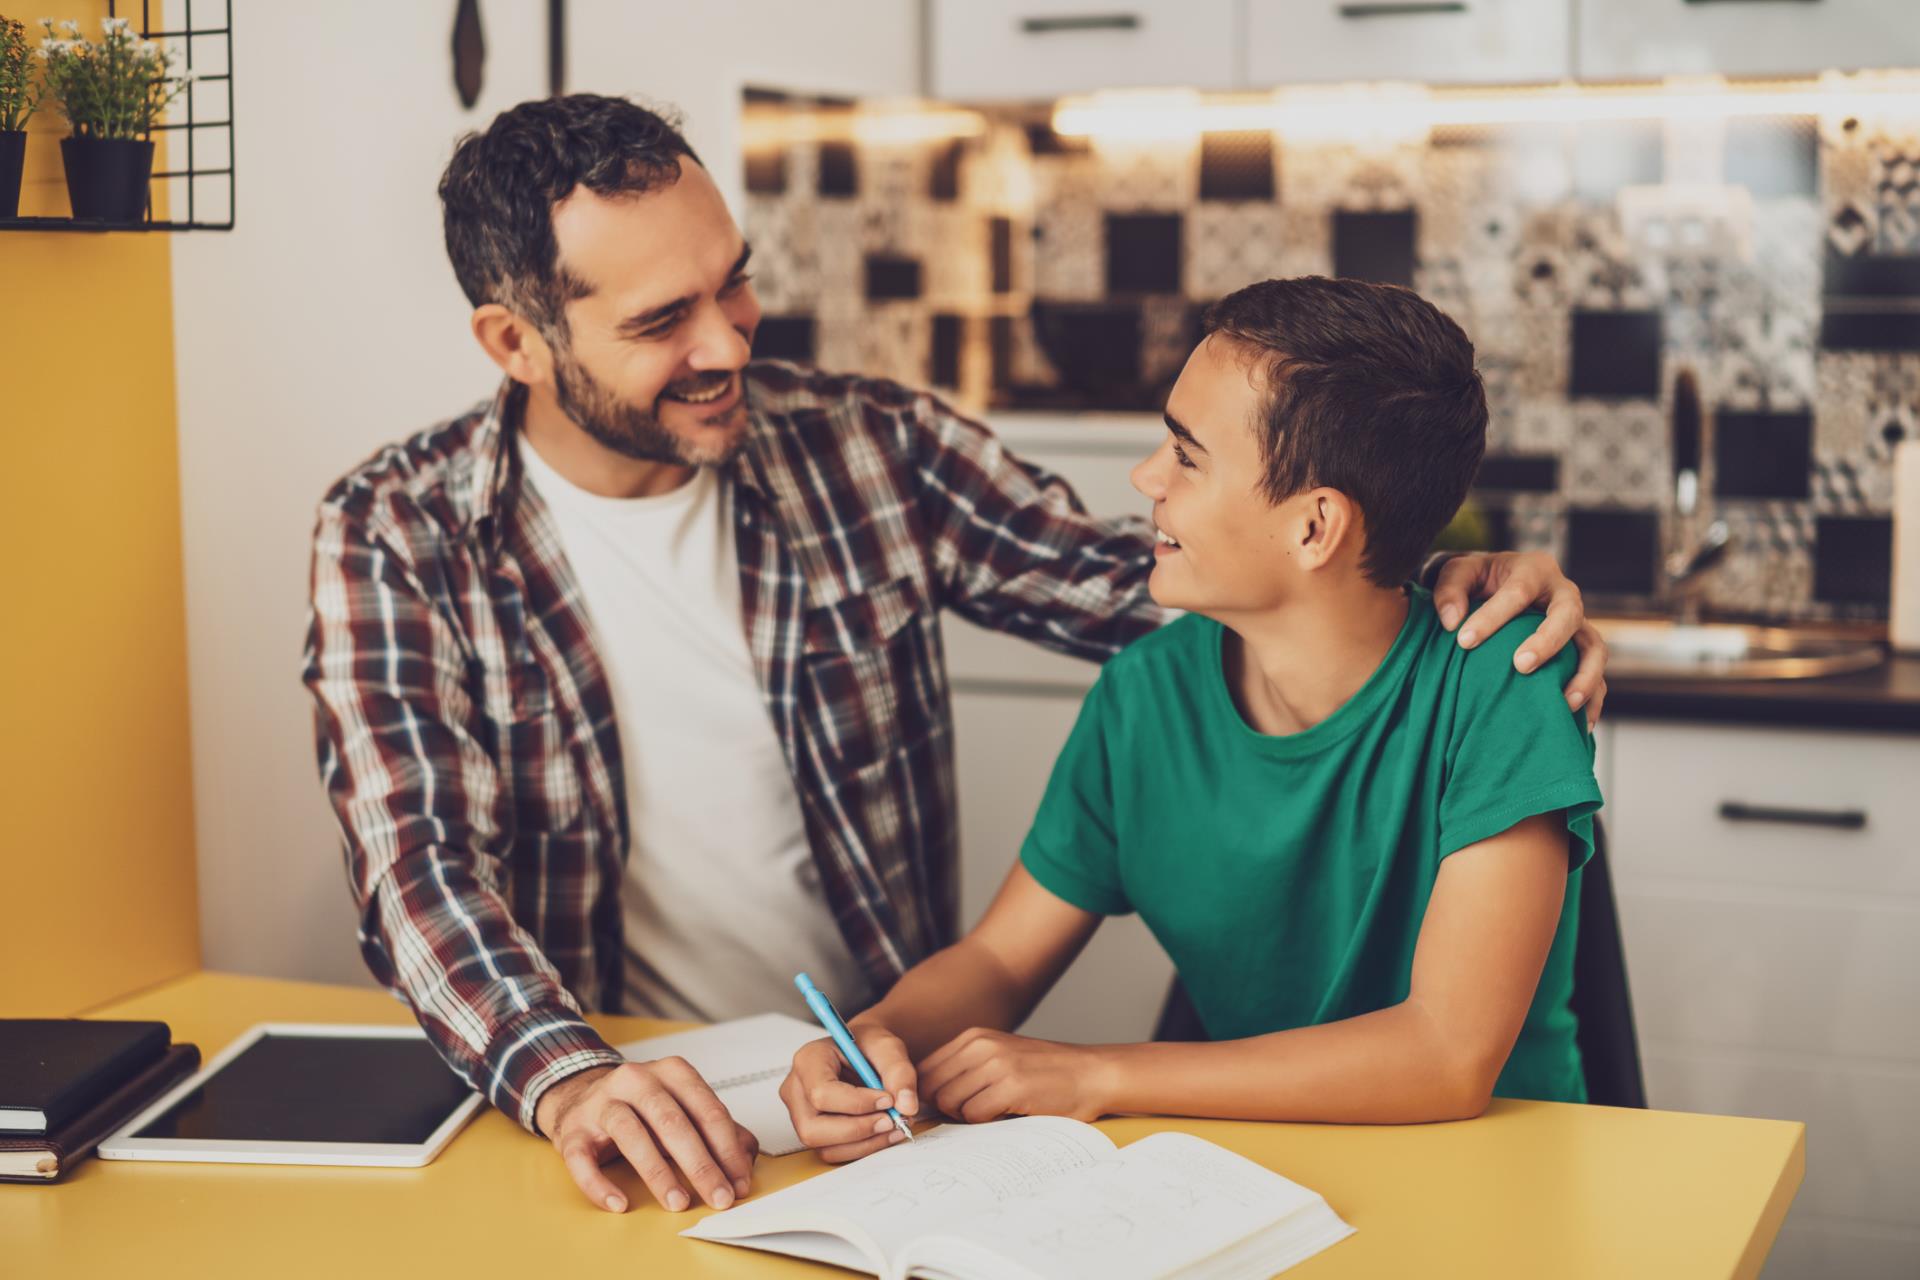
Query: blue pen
point(830, 1019)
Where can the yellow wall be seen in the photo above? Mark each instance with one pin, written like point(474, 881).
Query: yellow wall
point(97, 883)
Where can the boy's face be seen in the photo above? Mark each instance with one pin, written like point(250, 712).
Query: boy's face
point(1234, 551)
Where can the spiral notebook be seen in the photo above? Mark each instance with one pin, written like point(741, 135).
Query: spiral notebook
point(744, 1061)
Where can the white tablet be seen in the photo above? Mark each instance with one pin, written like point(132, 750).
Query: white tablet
point(307, 1093)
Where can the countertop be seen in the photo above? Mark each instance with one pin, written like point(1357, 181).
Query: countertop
point(1885, 698)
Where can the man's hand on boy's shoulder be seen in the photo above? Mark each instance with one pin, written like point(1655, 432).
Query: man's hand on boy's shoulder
point(1511, 583)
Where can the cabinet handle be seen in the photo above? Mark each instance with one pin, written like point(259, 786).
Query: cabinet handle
point(1842, 819)
point(1401, 8)
point(1080, 22)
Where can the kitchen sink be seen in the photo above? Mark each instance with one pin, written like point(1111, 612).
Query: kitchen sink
point(1655, 648)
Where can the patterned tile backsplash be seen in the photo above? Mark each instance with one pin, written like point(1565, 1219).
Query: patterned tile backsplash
point(1775, 260)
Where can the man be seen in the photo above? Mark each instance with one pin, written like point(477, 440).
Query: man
point(629, 691)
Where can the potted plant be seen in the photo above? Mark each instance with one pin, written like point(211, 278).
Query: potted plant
point(19, 95)
point(111, 93)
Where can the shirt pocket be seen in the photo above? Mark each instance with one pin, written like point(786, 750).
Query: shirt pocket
point(872, 669)
point(538, 769)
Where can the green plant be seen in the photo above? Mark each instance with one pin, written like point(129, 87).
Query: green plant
point(19, 94)
point(115, 88)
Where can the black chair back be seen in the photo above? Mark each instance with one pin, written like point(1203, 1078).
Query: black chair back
point(1609, 1045)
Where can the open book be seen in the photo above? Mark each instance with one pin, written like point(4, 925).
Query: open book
point(1038, 1197)
point(744, 1062)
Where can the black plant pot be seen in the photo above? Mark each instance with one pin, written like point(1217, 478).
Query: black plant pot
point(13, 157)
point(107, 177)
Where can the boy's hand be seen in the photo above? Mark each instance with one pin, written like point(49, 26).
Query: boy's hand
point(982, 1075)
point(839, 1117)
point(1513, 582)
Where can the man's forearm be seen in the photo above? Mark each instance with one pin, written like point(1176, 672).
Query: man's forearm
point(1394, 1066)
point(950, 991)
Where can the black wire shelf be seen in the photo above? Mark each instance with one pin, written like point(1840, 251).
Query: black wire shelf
point(208, 143)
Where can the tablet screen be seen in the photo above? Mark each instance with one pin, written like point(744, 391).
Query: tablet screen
point(294, 1088)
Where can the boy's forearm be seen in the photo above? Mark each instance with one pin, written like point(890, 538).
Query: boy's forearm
point(954, 989)
point(1394, 1066)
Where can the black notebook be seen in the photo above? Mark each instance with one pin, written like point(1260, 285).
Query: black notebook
point(42, 1157)
point(52, 1069)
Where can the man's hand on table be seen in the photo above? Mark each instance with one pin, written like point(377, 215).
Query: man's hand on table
point(663, 1119)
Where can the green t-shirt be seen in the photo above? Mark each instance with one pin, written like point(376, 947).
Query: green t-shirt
point(1287, 876)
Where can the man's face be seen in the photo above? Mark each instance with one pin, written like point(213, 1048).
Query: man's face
point(651, 361)
point(1233, 552)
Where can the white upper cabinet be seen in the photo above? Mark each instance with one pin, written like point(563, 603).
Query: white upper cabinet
point(1641, 39)
point(1035, 50)
point(1040, 50)
point(1431, 41)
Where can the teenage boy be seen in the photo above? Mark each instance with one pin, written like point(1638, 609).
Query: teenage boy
point(1355, 839)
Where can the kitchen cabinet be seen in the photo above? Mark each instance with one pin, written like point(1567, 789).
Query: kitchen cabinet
point(1442, 42)
point(1644, 39)
point(1038, 50)
point(1769, 895)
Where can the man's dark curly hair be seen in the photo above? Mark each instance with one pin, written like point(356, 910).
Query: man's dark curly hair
point(498, 193)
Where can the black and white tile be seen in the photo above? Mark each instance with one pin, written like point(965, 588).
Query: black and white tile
point(1777, 260)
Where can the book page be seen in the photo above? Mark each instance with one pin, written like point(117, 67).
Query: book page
point(1158, 1207)
point(743, 1061)
point(933, 1185)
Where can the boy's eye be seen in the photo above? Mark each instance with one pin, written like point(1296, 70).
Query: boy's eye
point(735, 285)
point(1181, 454)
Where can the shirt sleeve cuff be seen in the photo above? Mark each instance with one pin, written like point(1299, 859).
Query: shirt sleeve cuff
point(536, 1051)
point(1070, 887)
point(1578, 797)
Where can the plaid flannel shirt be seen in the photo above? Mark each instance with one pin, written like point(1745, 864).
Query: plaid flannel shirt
point(465, 727)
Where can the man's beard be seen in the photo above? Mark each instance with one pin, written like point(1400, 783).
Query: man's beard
point(629, 431)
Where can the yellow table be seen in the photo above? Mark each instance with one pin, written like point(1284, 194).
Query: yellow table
point(1530, 1189)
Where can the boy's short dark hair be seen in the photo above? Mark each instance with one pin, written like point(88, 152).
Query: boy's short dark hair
point(498, 192)
point(1373, 393)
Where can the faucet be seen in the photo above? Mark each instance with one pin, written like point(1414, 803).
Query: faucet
point(1685, 569)
point(1685, 566)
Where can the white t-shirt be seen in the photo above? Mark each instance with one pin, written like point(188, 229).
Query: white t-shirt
point(722, 902)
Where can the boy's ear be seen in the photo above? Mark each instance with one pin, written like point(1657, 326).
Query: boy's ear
point(1329, 526)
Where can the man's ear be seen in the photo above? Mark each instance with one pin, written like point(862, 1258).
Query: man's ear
point(1329, 525)
point(513, 344)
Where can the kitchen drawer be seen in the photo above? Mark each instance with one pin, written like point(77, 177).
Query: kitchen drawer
point(1667, 783)
point(1639, 39)
point(1774, 971)
point(1037, 50)
point(1863, 1122)
point(1451, 42)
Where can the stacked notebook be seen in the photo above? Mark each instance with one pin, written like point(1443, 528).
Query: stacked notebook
point(66, 1083)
